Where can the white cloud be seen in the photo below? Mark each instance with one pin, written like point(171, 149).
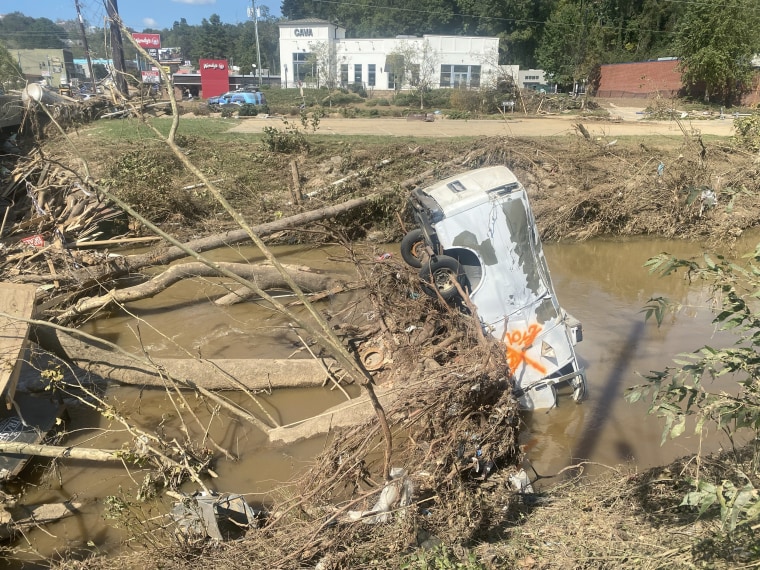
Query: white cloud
point(149, 22)
point(195, 2)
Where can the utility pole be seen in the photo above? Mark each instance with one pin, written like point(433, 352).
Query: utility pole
point(255, 14)
point(86, 47)
point(117, 49)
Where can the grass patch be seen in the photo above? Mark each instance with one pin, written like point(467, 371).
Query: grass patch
point(133, 130)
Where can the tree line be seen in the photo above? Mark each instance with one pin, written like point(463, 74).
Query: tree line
point(569, 39)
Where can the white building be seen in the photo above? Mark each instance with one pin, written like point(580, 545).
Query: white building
point(531, 79)
point(315, 52)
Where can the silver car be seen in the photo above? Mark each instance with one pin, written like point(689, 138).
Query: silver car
point(477, 235)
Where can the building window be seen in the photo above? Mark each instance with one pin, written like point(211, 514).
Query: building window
point(344, 74)
point(414, 71)
point(460, 76)
point(303, 66)
point(474, 76)
point(358, 73)
point(371, 74)
point(445, 76)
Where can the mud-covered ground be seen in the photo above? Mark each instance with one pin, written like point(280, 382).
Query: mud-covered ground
point(676, 187)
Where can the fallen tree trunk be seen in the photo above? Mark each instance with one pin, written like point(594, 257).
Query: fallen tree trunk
point(55, 451)
point(211, 374)
point(119, 266)
point(265, 276)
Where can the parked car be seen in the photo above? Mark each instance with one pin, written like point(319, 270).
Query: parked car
point(477, 231)
point(237, 98)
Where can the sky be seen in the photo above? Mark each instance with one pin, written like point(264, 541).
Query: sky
point(140, 14)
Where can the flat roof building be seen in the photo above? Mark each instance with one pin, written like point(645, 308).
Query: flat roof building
point(315, 52)
point(53, 66)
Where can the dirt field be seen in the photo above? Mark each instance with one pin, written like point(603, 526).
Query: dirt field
point(625, 125)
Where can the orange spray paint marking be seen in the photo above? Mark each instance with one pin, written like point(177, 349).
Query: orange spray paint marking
point(518, 342)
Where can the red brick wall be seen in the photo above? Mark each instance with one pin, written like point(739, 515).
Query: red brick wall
point(640, 79)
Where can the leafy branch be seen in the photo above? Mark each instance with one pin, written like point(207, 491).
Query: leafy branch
point(683, 391)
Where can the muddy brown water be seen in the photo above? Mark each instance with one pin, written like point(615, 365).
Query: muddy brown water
point(600, 282)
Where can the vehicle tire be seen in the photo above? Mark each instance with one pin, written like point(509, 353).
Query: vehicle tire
point(440, 273)
point(412, 246)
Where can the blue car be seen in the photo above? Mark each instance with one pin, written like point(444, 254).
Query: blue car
point(237, 98)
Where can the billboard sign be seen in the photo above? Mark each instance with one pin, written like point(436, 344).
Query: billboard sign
point(215, 78)
point(153, 76)
point(148, 41)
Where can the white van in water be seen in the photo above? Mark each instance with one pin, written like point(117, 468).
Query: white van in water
point(477, 228)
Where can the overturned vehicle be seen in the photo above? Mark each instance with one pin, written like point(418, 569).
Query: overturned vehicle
point(477, 234)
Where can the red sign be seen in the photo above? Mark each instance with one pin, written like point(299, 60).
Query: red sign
point(215, 78)
point(153, 76)
point(148, 41)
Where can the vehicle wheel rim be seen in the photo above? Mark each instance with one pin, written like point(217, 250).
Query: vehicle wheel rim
point(444, 280)
point(418, 248)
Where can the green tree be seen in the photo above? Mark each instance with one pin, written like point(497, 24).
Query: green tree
point(10, 73)
point(181, 35)
point(381, 18)
point(23, 32)
point(715, 43)
point(518, 23)
point(562, 52)
point(212, 40)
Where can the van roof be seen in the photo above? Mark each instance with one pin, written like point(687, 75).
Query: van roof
point(471, 188)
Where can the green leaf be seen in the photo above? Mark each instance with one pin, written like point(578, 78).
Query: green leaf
point(677, 429)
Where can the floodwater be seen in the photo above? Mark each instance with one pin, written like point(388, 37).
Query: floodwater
point(602, 283)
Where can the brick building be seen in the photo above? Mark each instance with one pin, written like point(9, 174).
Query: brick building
point(640, 79)
point(647, 78)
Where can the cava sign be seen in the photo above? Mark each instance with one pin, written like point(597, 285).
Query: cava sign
point(303, 33)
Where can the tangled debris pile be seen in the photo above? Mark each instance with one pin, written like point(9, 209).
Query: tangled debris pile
point(454, 426)
point(454, 423)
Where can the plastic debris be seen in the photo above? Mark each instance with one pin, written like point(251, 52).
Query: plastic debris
point(397, 493)
point(520, 482)
point(219, 517)
point(708, 198)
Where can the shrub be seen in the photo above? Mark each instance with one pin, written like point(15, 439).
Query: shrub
point(291, 139)
point(342, 98)
point(144, 179)
point(748, 131)
point(358, 88)
point(248, 110)
point(458, 115)
point(466, 100)
point(684, 391)
point(287, 140)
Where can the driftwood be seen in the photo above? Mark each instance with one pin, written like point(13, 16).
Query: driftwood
point(351, 413)
point(123, 265)
point(24, 517)
point(55, 451)
point(265, 276)
point(96, 363)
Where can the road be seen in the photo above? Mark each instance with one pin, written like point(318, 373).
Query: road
point(518, 127)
